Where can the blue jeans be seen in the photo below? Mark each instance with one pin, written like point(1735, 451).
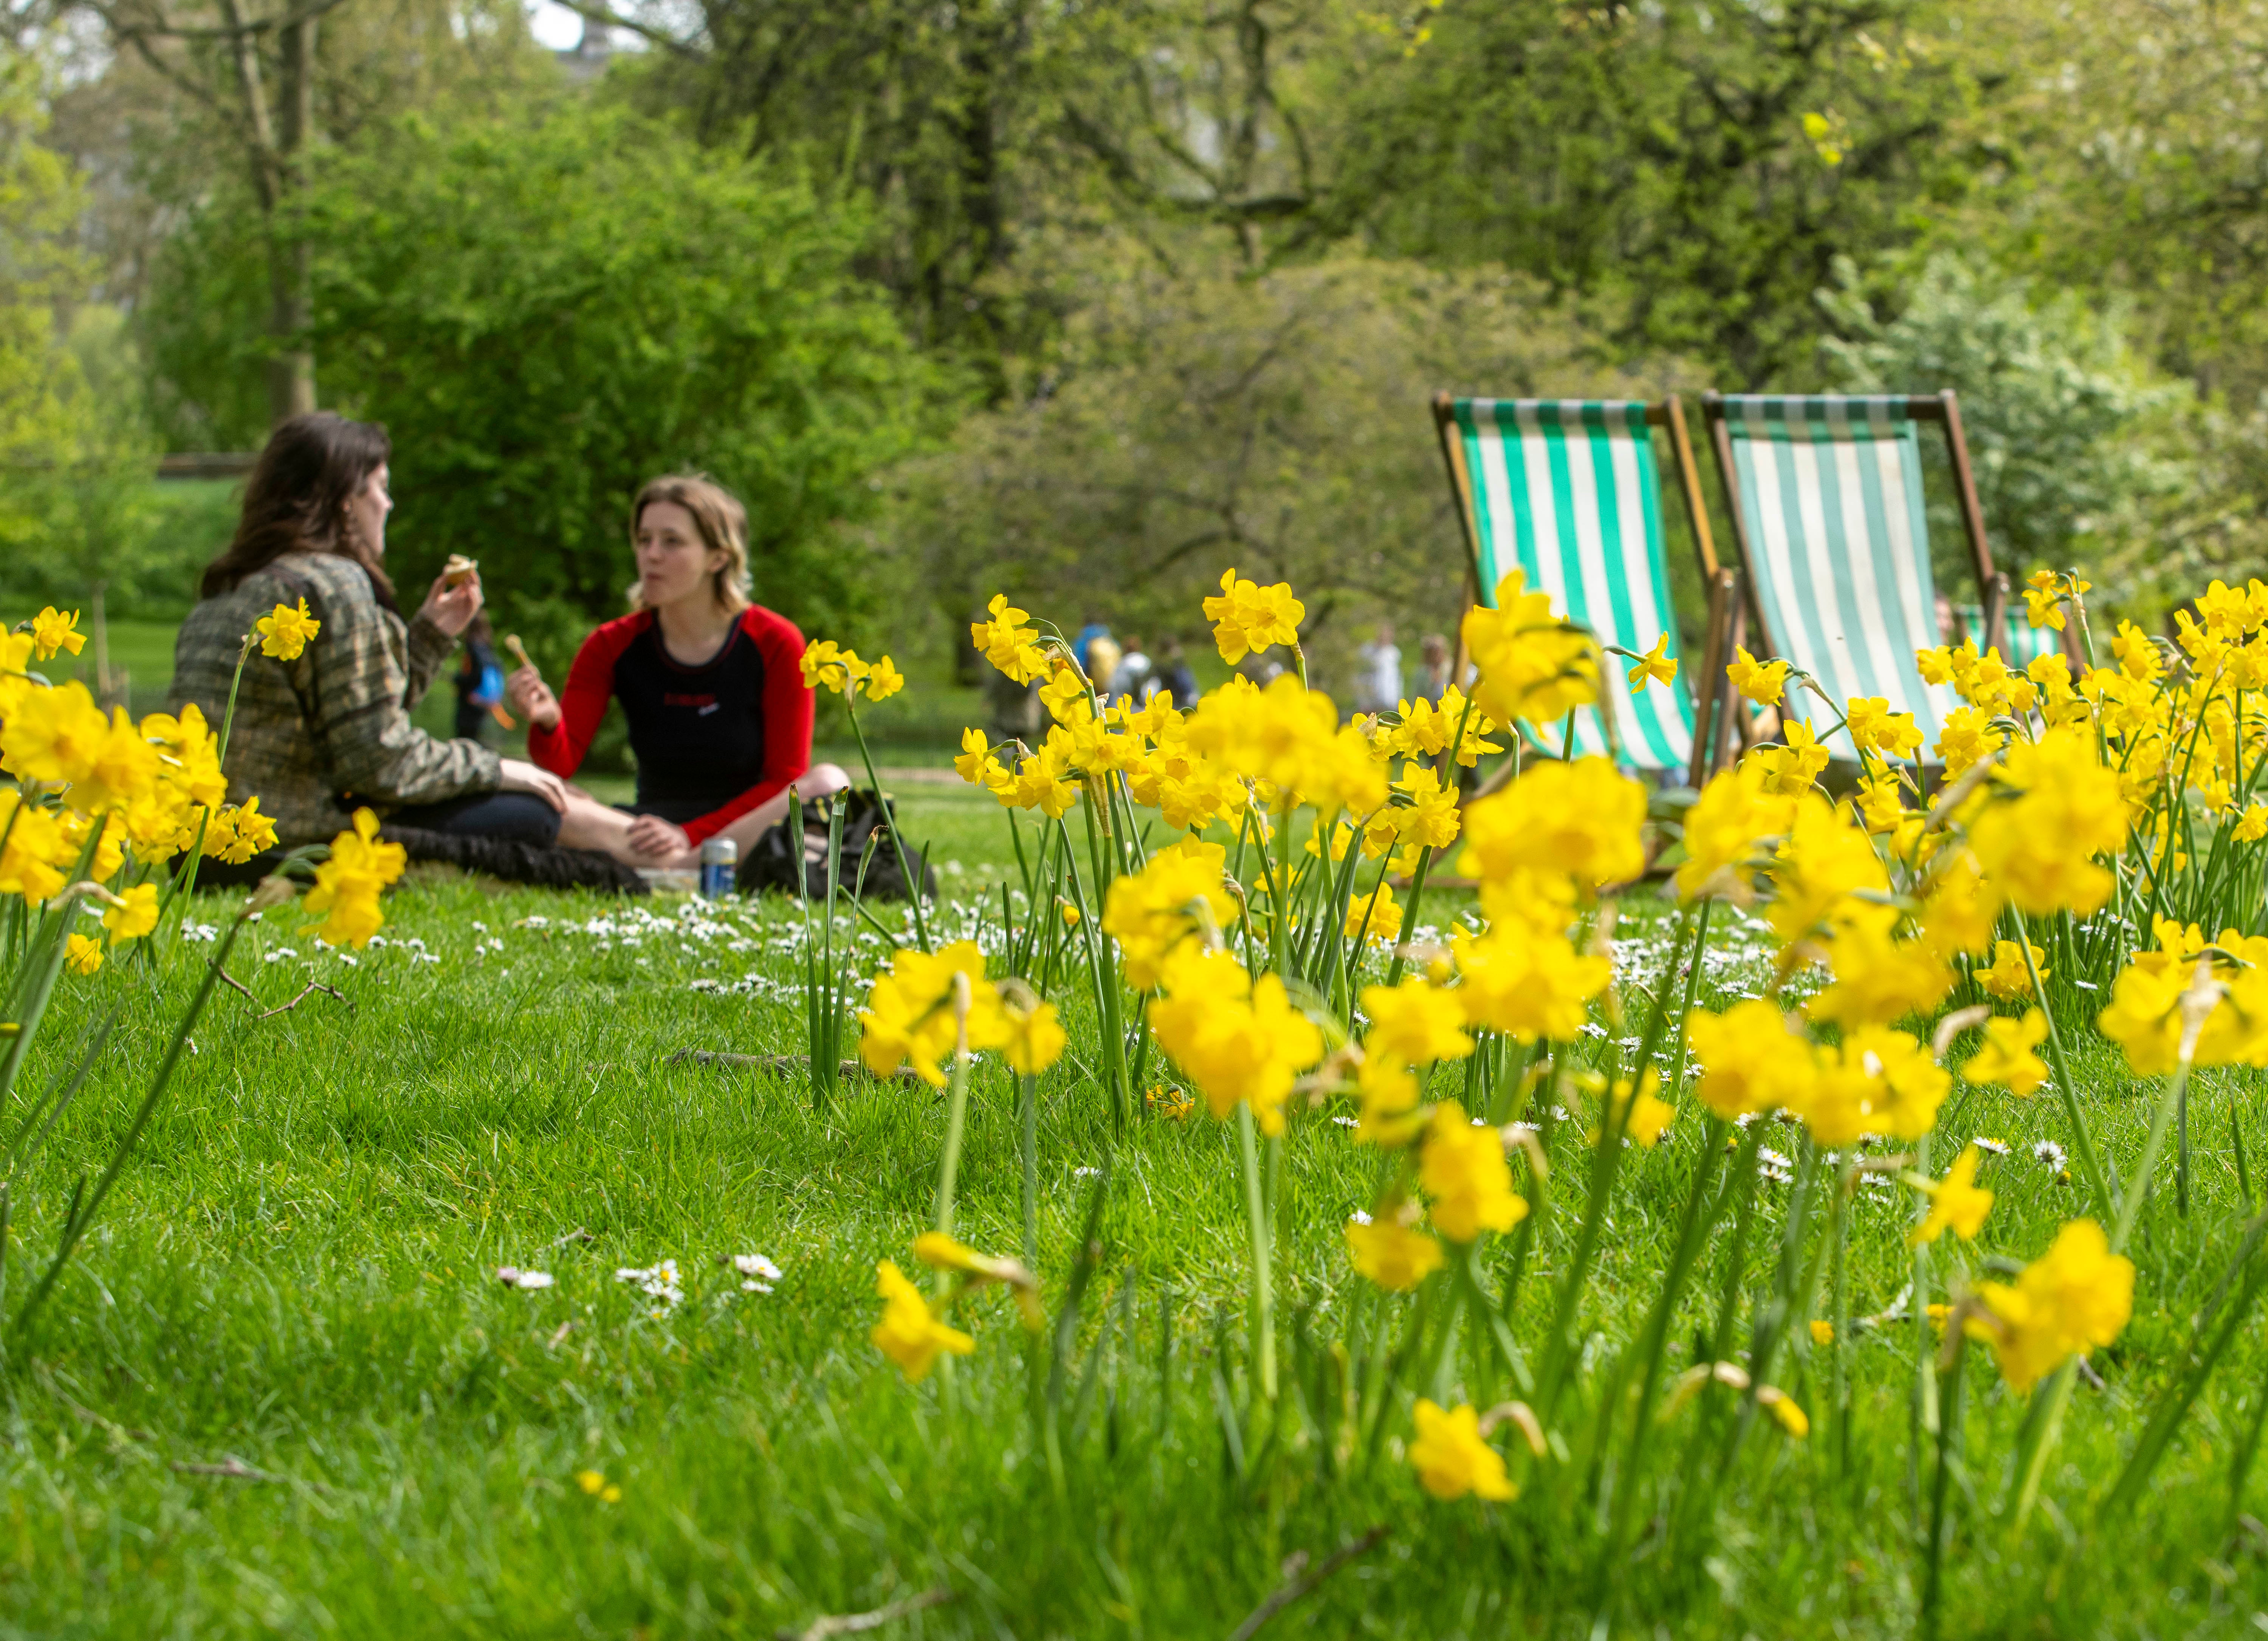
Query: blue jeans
point(514, 817)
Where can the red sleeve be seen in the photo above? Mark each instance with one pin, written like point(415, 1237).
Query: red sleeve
point(583, 703)
point(787, 708)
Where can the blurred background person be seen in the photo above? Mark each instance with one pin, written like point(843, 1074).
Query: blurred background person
point(479, 683)
point(1433, 664)
point(1102, 658)
point(1377, 673)
point(1134, 678)
point(1174, 675)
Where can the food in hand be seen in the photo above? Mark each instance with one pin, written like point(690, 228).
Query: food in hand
point(519, 649)
point(459, 570)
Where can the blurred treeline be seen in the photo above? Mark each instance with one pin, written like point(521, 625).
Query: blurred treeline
point(1089, 301)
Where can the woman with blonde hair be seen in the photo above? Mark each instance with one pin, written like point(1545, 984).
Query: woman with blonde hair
point(710, 682)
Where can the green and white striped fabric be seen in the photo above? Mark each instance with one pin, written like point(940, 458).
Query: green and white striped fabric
point(1566, 489)
point(1830, 489)
point(2021, 644)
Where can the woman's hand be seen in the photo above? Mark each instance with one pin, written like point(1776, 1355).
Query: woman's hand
point(450, 608)
point(651, 835)
point(517, 775)
point(527, 695)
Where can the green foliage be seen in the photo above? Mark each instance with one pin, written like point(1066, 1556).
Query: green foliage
point(1703, 164)
point(1198, 417)
point(540, 337)
point(204, 327)
point(2059, 411)
point(39, 193)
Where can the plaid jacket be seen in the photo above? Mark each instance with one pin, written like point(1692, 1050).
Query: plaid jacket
point(334, 725)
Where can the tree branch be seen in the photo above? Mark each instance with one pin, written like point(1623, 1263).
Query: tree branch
point(235, 28)
point(607, 17)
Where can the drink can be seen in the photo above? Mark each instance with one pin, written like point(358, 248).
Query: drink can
point(720, 865)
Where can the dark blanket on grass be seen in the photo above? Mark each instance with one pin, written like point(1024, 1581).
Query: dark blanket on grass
point(550, 868)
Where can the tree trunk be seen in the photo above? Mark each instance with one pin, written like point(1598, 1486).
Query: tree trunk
point(291, 367)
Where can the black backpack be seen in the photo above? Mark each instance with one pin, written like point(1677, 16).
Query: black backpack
point(771, 860)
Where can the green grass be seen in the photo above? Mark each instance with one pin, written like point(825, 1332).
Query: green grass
point(297, 1272)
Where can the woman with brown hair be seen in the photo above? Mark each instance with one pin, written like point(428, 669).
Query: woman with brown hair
point(710, 682)
point(330, 731)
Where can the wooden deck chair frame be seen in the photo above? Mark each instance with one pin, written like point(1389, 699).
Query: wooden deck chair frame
point(1944, 409)
point(1713, 717)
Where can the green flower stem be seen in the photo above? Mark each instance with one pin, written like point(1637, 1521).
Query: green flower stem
point(1280, 940)
point(184, 883)
point(1921, 1397)
point(2138, 1187)
point(2044, 1424)
point(1256, 1210)
point(897, 843)
point(1029, 1088)
point(2101, 1182)
point(956, 1118)
point(1838, 1395)
point(1949, 1436)
point(1106, 989)
point(1409, 916)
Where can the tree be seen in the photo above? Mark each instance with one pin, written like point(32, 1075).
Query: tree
point(1698, 165)
point(547, 308)
point(40, 271)
point(1204, 417)
point(250, 99)
point(2062, 418)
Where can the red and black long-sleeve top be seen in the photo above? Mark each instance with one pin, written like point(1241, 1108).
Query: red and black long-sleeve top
point(713, 741)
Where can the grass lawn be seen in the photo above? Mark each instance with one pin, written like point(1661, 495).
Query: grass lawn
point(282, 1390)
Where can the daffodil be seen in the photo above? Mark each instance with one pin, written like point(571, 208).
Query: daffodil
point(81, 956)
point(1240, 1039)
point(976, 765)
point(52, 630)
point(1763, 682)
point(827, 665)
point(2008, 977)
point(909, 1333)
point(286, 631)
point(1533, 663)
point(1394, 1255)
point(1752, 1060)
point(1465, 1176)
point(133, 915)
point(348, 885)
point(1031, 1038)
point(1246, 618)
point(911, 1013)
point(1956, 1204)
point(883, 680)
point(1656, 666)
point(2076, 1296)
point(1008, 643)
point(1642, 1112)
point(1874, 727)
point(1451, 1458)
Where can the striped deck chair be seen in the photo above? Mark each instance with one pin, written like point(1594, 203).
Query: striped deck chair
point(2021, 644)
point(1568, 491)
point(1827, 507)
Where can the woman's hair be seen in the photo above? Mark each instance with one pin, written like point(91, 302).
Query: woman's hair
point(721, 522)
point(296, 500)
